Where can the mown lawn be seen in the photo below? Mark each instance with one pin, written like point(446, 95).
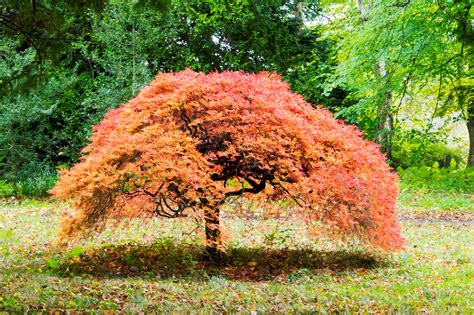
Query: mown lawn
point(272, 265)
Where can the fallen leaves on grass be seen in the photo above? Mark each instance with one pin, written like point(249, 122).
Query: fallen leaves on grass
point(272, 267)
point(182, 261)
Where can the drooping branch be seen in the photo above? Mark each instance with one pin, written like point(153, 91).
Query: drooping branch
point(296, 199)
point(164, 208)
point(256, 188)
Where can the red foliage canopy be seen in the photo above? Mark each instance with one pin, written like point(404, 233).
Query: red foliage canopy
point(178, 143)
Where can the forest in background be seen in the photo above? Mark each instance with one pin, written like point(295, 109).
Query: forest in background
point(399, 70)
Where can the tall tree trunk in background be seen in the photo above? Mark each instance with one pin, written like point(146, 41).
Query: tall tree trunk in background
point(298, 11)
point(385, 125)
point(466, 36)
point(363, 8)
point(383, 134)
point(470, 129)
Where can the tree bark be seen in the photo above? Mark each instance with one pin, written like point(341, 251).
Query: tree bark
point(385, 126)
point(470, 129)
point(214, 248)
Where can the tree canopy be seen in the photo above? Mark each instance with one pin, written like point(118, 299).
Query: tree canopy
point(175, 149)
point(109, 50)
point(401, 57)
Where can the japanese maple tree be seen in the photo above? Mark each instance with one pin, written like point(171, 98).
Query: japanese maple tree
point(175, 148)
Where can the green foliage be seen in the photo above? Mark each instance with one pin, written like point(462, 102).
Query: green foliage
point(312, 73)
point(402, 60)
point(435, 179)
point(417, 148)
point(6, 189)
point(43, 30)
point(15, 62)
point(45, 127)
point(111, 49)
point(412, 154)
point(34, 187)
point(65, 63)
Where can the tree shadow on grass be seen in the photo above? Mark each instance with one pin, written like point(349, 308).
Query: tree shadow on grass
point(244, 264)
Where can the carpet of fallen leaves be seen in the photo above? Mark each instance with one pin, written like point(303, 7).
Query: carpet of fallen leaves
point(272, 265)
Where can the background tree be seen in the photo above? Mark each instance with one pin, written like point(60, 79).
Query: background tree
point(109, 50)
point(396, 55)
point(179, 143)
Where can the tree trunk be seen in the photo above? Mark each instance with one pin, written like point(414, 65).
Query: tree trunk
point(385, 126)
point(214, 249)
point(384, 133)
point(470, 129)
point(363, 9)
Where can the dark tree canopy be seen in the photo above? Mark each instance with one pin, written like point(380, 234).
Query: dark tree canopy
point(65, 63)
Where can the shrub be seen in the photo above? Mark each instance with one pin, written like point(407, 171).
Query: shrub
point(172, 150)
point(436, 179)
point(6, 189)
point(44, 128)
point(414, 148)
point(36, 186)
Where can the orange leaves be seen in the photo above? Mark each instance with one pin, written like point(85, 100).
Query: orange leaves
point(187, 134)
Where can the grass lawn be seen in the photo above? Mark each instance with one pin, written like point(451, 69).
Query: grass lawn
point(272, 265)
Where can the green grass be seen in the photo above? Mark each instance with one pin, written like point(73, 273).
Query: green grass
point(272, 266)
point(436, 206)
point(437, 202)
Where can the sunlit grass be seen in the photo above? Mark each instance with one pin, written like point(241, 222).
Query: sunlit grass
point(272, 266)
